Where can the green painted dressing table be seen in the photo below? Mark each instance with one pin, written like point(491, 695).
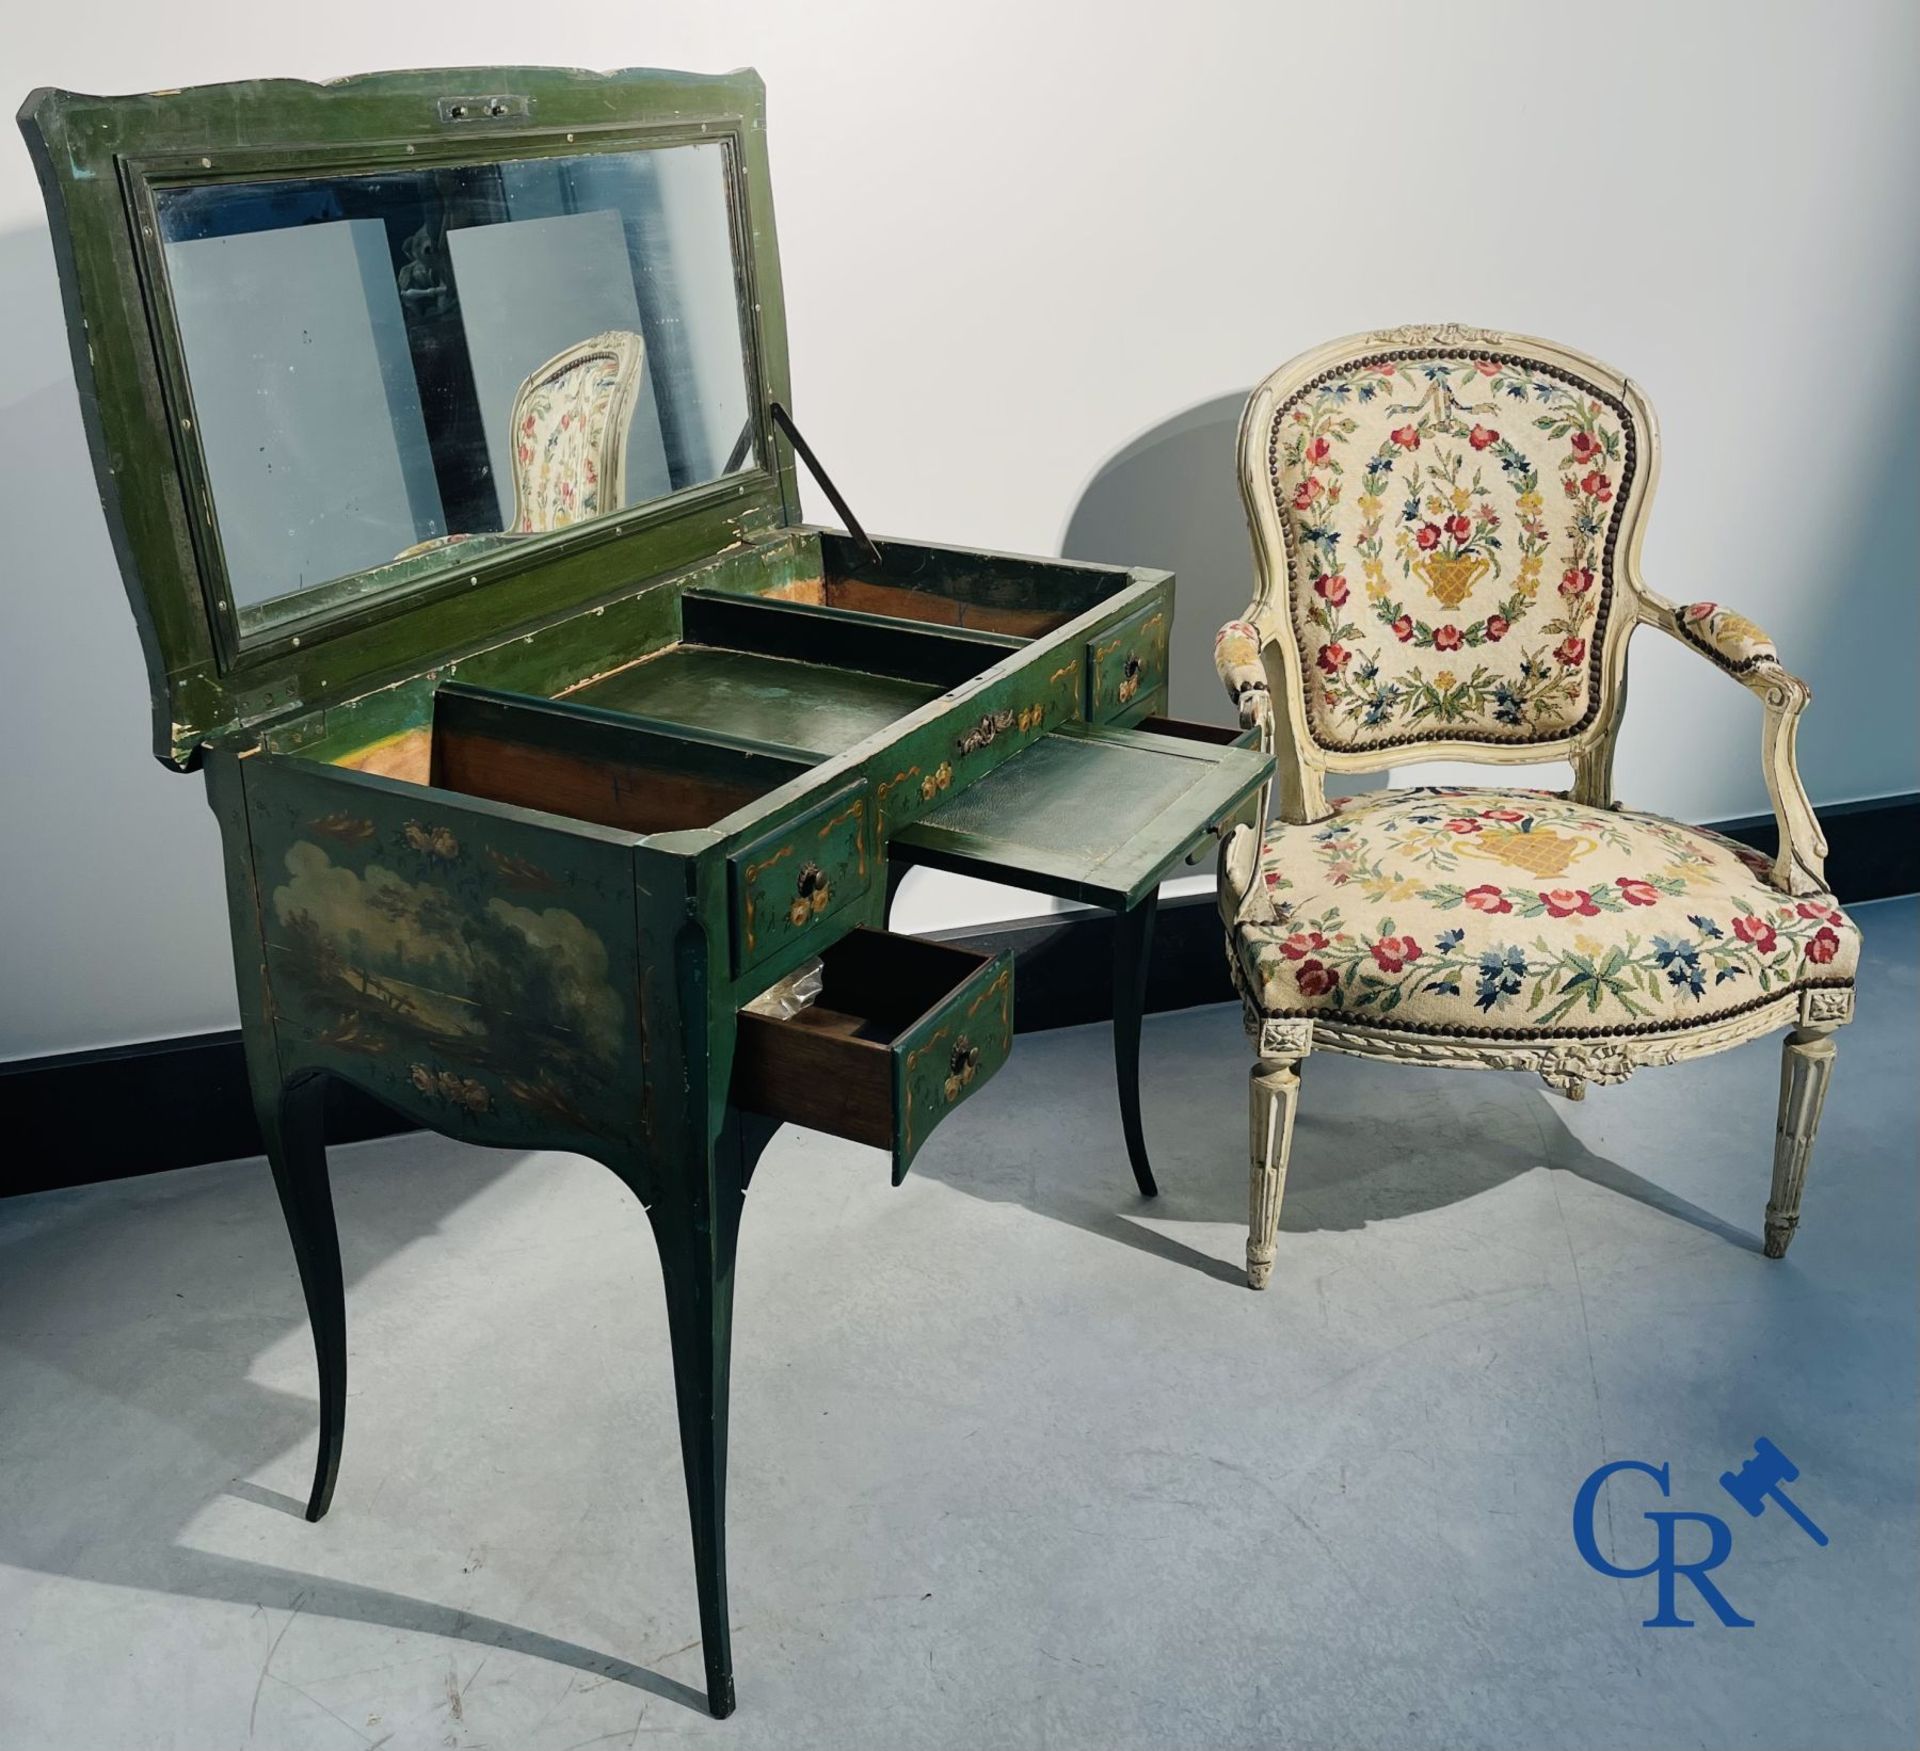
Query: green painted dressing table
point(438, 423)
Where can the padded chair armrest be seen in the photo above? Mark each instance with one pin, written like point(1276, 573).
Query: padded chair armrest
point(1724, 634)
point(1239, 660)
point(1732, 642)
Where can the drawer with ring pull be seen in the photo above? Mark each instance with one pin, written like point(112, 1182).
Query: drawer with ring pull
point(790, 881)
point(1127, 663)
point(902, 1032)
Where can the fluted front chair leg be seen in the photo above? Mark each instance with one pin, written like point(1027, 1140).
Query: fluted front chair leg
point(1806, 1067)
point(1274, 1093)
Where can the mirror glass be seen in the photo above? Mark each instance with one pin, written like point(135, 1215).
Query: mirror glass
point(395, 373)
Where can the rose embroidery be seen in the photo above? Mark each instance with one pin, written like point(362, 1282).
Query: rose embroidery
point(1314, 979)
point(1393, 952)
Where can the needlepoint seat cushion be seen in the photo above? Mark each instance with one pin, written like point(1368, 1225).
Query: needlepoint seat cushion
point(1510, 912)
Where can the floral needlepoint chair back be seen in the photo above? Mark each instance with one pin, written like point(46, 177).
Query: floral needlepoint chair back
point(1446, 523)
point(571, 419)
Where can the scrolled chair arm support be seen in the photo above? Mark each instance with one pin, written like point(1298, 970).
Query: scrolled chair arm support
point(1239, 659)
point(1732, 642)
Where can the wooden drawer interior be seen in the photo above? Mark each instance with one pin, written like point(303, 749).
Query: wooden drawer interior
point(1187, 729)
point(597, 766)
point(902, 1032)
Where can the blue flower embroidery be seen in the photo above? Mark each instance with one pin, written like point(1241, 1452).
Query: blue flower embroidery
point(1503, 972)
point(1682, 963)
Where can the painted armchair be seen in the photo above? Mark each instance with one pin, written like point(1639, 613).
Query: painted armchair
point(1447, 527)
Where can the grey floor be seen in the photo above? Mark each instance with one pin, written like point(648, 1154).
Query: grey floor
point(1016, 1459)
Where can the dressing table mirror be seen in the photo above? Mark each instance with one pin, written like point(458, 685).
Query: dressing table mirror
point(439, 422)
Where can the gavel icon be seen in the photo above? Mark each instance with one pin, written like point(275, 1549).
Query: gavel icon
point(1759, 1479)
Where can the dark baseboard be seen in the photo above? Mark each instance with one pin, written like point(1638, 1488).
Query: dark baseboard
point(87, 1116)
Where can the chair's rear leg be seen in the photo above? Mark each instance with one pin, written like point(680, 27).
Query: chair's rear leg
point(1806, 1067)
point(1274, 1093)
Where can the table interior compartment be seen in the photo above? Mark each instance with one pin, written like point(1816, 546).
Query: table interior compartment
point(590, 765)
point(954, 587)
point(810, 707)
point(945, 656)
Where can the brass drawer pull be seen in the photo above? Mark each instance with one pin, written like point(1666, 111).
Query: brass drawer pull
point(962, 1067)
point(1130, 680)
point(812, 894)
point(982, 734)
point(995, 724)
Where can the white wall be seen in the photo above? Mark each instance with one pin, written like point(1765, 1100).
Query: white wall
point(1027, 242)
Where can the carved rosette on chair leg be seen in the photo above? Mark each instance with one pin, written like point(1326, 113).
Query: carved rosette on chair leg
point(1806, 1066)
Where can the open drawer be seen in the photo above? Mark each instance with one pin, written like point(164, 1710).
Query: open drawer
point(902, 1032)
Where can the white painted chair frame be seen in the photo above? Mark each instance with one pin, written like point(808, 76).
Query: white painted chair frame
point(1566, 1065)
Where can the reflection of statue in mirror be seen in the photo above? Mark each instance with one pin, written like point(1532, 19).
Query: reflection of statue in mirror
point(423, 278)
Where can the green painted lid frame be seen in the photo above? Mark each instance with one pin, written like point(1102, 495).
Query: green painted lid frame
point(101, 158)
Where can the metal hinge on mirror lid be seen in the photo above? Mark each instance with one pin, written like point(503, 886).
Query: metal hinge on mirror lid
point(490, 107)
point(759, 524)
point(254, 709)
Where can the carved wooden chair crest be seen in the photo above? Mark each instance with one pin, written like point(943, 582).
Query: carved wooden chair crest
point(571, 420)
point(1447, 528)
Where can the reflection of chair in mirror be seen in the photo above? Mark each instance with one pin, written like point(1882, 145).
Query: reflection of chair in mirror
point(1447, 524)
point(571, 418)
point(569, 429)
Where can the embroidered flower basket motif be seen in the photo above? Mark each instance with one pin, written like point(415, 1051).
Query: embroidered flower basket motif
point(1518, 910)
point(1451, 577)
point(1542, 852)
point(1446, 522)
